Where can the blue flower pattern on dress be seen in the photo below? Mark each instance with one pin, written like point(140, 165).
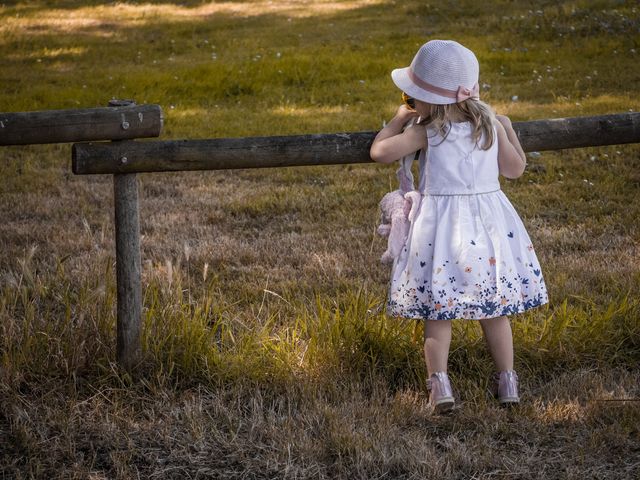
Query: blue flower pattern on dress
point(494, 298)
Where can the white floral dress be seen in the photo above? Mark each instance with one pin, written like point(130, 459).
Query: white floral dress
point(468, 254)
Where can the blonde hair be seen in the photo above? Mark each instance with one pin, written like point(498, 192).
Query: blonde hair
point(478, 113)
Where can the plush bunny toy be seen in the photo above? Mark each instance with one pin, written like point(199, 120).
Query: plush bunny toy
point(399, 208)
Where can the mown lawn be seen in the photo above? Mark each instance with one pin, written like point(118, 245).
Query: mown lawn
point(266, 350)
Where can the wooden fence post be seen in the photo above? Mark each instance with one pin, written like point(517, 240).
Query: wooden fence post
point(128, 263)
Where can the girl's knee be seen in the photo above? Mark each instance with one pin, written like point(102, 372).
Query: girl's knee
point(436, 328)
point(493, 320)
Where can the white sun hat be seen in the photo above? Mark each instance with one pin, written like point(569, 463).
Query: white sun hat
point(441, 73)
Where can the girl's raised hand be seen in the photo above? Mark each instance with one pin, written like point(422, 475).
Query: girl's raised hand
point(403, 113)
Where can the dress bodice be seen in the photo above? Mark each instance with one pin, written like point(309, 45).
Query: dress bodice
point(455, 165)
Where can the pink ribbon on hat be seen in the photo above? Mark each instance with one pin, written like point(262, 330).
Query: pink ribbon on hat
point(463, 93)
point(460, 95)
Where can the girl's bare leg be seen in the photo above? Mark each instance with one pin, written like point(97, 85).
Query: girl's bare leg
point(497, 333)
point(437, 338)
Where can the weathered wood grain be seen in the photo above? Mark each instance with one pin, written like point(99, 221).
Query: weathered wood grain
point(577, 132)
point(61, 126)
point(128, 269)
point(324, 149)
point(222, 153)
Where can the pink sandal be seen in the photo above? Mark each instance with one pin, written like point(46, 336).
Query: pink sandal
point(504, 387)
point(441, 396)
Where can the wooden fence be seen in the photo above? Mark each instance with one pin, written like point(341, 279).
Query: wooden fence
point(124, 159)
point(122, 120)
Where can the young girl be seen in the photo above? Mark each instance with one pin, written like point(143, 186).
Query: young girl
point(468, 254)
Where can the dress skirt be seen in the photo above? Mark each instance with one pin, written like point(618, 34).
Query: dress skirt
point(467, 256)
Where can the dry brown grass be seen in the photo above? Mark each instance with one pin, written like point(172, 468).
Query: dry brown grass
point(565, 428)
point(68, 418)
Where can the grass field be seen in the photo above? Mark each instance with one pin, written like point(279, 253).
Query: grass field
point(266, 350)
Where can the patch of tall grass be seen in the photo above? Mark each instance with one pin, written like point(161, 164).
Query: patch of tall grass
point(51, 324)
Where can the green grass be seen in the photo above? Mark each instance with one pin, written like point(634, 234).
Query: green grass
point(266, 352)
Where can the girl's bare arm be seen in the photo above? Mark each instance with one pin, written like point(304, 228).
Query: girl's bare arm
point(511, 158)
point(392, 143)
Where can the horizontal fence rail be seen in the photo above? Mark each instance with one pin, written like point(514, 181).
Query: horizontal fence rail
point(222, 153)
point(121, 122)
point(324, 149)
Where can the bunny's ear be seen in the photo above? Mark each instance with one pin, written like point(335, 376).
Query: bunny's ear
point(415, 199)
point(422, 163)
point(405, 177)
